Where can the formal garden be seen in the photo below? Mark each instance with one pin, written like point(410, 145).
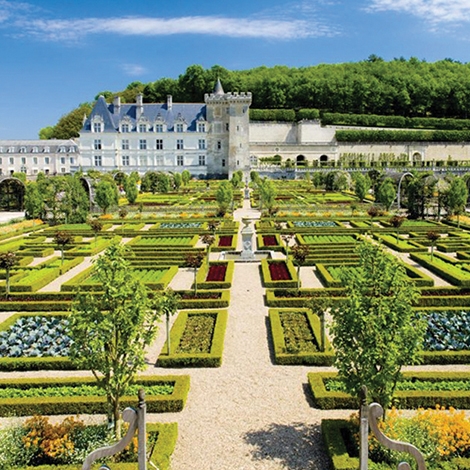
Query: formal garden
point(91, 295)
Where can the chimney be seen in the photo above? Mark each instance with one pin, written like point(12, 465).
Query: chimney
point(117, 104)
point(139, 100)
point(169, 102)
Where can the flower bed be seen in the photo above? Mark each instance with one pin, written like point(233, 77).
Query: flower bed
point(216, 273)
point(196, 340)
point(269, 240)
point(278, 273)
point(313, 223)
point(225, 241)
point(37, 441)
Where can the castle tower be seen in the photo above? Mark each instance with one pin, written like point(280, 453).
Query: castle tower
point(228, 134)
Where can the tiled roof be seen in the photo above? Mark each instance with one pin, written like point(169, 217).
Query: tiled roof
point(189, 112)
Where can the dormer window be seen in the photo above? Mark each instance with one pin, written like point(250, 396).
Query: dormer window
point(142, 127)
point(46, 150)
point(158, 127)
point(62, 150)
point(201, 127)
point(22, 149)
point(34, 150)
point(11, 150)
point(72, 150)
point(97, 127)
point(179, 127)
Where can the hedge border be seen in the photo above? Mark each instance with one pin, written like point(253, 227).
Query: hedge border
point(326, 400)
point(89, 405)
point(212, 359)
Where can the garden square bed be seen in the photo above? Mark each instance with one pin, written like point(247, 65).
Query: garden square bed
point(278, 273)
point(196, 340)
point(296, 337)
point(216, 275)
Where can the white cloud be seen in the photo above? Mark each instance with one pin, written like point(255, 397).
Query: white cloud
point(134, 70)
point(70, 30)
point(11, 9)
point(434, 11)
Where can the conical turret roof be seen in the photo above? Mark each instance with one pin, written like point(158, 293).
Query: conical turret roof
point(218, 89)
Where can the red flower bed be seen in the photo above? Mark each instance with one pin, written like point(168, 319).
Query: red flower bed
point(216, 273)
point(279, 271)
point(269, 240)
point(225, 240)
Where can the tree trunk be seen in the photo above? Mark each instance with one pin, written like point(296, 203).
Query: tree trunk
point(168, 333)
point(116, 419)
point(7, 287)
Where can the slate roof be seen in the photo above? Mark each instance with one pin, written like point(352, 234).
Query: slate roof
point(189, 112)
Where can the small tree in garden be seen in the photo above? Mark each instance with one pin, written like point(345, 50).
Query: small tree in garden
point(375, 329)
point(456, 198)
point(386, 193)
point(62, 239)
point(300, 253)
point(212, 226)
point(224, 197)
point(287, 237)
point(168, 304)
point(373, 212)
point(111, 331)
point(194, 260)
point(130, 188)
point(106, 195)
point(7, 261)
point(397, 221)
point(185, 177)
point(208, 240)
point(96, 226)
point(122, 213)
point(432, 236)
point(177, 181)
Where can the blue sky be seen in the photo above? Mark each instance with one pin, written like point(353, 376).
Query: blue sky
point(56, 54)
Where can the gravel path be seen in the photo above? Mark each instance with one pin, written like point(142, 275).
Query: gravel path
point(248, 414)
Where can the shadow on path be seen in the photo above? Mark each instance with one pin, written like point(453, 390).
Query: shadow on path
point(296, 446)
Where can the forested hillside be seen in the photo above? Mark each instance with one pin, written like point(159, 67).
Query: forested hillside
point(410, 88)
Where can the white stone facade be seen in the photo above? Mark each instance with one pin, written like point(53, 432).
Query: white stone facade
point(51, 157)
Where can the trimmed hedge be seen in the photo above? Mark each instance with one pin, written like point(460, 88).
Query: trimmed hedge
point(204, 299)
point(335, 446)
point(89, 405)
point(448, 271)
point(326, 400)
point(212, 359)
point(282, 357)
point(77, 281)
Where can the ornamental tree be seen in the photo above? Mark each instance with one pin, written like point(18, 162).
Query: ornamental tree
point(62, 239)
point(111, 331)
point(224, 196)
point(386, 193)
point(96, 226)
point(7, 261)
point(432, 236)
point(194, 260)
point(300, 253)
point(457, 197)
point(375, 329)
point(168, 304)
point(397, 221)
point(106, 195)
